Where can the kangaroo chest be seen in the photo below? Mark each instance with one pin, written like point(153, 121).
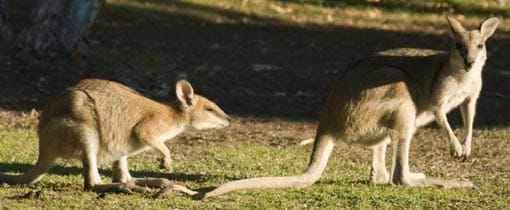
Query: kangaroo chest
point(468, 88)
point(450, 96)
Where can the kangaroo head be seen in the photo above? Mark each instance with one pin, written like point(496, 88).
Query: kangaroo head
point(469, 46)
point(202, 113)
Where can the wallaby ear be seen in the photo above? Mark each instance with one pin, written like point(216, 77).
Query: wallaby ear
point(488, 27)
point(184, 93)
point(456, 29)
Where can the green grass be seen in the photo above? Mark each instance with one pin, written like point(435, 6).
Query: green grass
point(207, 163)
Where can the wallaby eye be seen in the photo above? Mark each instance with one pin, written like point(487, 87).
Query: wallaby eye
point(480, 46)
point(209, 109)
point(459, 46)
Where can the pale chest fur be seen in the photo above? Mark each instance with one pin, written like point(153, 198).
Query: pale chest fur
point(454, 92)
point(459, 90)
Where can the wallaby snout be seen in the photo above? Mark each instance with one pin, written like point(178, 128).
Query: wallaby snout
point(207, 115)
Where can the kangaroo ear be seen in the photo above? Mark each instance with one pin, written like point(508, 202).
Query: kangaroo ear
point(184, 93)
point(488, 27)
point(456, 29)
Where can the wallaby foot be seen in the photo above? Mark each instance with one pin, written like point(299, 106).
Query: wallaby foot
point(408, 179)
point(416, 176)
point(430, 182)
point(128, 188)
point(175, 187)
point(143, 185)
point(165, 185)
point(153, 182)
point(379, 177)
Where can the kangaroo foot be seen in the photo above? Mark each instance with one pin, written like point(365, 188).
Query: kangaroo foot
point(127, 188)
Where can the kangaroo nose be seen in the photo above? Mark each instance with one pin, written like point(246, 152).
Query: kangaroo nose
point(469, 63)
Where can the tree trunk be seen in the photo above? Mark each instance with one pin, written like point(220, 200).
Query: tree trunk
point(5, 25)
point(56, 26)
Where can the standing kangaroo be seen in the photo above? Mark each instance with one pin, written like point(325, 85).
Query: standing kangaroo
point(385, 98)
point(101, 121)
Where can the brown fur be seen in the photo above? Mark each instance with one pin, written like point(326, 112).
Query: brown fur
point(386, 97)
point(101, 121)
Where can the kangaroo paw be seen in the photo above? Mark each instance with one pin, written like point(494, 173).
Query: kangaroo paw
point(165, 163)
point(456, 150)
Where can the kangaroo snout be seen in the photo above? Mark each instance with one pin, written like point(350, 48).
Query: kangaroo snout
point(468, 63)
point(227, 121)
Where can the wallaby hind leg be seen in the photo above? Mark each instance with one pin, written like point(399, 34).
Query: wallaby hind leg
point(402, 134)
point(121, 175)
point(120, 171)
point(90, 169)
point(93, 179)
point(89, 140)
point(379, 173)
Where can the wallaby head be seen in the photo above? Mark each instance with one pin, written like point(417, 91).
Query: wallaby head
point(202, 113)
point(469, 46)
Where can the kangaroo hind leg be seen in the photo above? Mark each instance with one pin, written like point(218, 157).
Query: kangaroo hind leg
point(379, 173)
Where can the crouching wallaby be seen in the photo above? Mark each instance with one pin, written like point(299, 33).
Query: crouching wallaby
point(385, 98)
point(101, 121)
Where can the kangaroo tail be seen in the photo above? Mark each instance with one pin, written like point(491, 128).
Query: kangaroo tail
point(323, 147)
point(42, 166)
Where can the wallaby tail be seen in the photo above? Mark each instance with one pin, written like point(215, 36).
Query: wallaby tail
point(323, 147)
point(42, 166)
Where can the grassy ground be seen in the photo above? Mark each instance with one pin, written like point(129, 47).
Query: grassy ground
point(206, 159)
point(270, 63)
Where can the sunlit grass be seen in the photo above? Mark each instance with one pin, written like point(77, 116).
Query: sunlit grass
point(388, 15)
point(212, 162)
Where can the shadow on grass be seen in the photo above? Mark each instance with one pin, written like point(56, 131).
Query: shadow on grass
point(250, 65)
point(64, 170)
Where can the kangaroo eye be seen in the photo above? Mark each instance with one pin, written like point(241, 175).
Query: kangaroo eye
point(459, 46)
point(480, 46)
point(209, 109)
